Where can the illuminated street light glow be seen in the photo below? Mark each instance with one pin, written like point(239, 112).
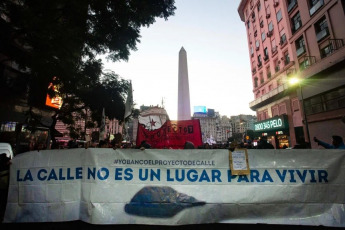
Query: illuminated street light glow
point(294, 81)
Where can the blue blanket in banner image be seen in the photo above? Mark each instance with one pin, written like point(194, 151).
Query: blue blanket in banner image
point(160, 202)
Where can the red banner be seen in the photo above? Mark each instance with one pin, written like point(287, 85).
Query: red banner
point(173, 134)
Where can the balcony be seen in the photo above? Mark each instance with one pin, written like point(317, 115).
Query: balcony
point(334, 44)
point(270, 33)
point(322, 34)
point(266, 57)
point(307, 61)
point(269, 75)
point(282, 42)
point(269, 97)
point(277, 68)
point(290, 71)
point(315, 7)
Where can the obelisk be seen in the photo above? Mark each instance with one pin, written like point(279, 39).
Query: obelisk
point(183, 107)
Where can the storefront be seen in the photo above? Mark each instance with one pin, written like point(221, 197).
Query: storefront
point(276, 129)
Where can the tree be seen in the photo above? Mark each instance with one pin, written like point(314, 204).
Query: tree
point(63, 38)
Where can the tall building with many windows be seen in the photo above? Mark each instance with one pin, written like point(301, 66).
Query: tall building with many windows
point(289, 40)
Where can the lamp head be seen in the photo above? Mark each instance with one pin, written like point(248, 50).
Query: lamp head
point(294, 80)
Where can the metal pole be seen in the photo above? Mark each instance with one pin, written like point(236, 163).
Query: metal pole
point(304, 115)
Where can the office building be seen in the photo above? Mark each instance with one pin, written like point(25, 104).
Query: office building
point(289, 40)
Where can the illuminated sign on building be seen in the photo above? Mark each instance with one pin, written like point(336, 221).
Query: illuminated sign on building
point(274, 123)
point(200, 109)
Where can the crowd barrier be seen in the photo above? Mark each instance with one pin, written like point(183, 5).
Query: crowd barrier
point(178, 187)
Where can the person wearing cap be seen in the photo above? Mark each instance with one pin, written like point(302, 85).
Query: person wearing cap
point(337, 143)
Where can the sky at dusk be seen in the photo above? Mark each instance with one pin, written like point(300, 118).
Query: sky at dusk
point(215, 40)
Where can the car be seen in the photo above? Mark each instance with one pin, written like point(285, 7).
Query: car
point(6, 148)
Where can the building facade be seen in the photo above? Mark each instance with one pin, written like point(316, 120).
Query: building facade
point(214, 128)
point(289, 40)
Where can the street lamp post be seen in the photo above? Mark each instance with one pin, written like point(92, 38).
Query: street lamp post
point(304, 114)
point(294, 81)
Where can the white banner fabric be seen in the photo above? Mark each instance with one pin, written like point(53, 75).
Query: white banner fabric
point(177, 187)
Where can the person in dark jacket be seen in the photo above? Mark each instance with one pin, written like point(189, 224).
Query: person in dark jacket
point(188, 145)
point(337, 143)
point(144, 145)
point(264, 144)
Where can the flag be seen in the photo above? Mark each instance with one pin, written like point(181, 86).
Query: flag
point(129, 101)
point(151, 122)
point(102, 128)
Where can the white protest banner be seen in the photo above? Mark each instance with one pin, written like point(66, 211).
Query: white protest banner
point(177, 187)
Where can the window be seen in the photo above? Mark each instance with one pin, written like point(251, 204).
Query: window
point(261, 79)
point(282, 38)
point(259, 6)
point(268, 12)
point(257, 44)
point(268, 71)
point(314, 6)
point(275, 111)
point(334, 44)
point(248, 24)
point(266, 53)
point(321, 29)
point(326, 51)
point(259, 61)
point(270, 87)
point(255, 82)
point(276, 65)
point(282, 109)
point(295, 104)
point(263, 36)
point(291, 5)
point(262, 24)
point(296, 22)
point(270, 26)
point(279, 16)
point(257, 95)
point(300, 47)
point(286, 58)
point(251, 50)
point(331, 100)
point(304, 64)
point(254, 67)
point(274, 47)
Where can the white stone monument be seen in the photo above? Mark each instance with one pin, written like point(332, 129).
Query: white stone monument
point(183, 107)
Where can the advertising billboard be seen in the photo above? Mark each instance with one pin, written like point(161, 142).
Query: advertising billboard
point(200, 109)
